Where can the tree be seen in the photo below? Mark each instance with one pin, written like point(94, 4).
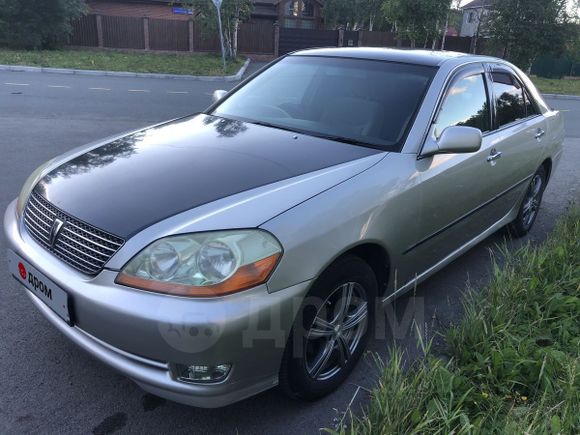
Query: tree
point(339, 13)
point(526, 29)
point(453, 18)
point(371, 13)
point(353, 14)
point(38, 24)
point(416, 20)
point(233, 12)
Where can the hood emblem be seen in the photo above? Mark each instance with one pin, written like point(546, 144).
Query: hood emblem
point(54, 231)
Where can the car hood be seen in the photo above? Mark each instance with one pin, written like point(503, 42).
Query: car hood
point(137, 180)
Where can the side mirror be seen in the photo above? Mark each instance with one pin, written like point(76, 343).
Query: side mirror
point(218, 95)
point(454, 139)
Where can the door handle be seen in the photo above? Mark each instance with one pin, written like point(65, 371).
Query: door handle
point(494, 155)
point(539, 133)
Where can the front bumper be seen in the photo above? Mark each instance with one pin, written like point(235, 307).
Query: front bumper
point(143, 335)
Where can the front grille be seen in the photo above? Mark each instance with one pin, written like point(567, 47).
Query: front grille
point(78, 244)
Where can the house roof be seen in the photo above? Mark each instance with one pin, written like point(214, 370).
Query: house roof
point(476, 4)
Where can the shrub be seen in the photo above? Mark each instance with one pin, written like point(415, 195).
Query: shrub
point(37, 24)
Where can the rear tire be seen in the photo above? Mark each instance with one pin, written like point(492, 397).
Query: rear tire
point(530, 205)
point(331, 330)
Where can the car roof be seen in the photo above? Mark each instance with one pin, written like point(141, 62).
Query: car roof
point(417, 57)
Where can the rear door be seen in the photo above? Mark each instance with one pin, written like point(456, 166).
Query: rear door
point(516, 141)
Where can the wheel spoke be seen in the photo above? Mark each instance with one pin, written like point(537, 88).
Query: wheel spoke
point(344, 350)
point(322, 360)
point(344, 302)
point(536, 187)
point(321, 328)
point(357, 317)
point(527, 210)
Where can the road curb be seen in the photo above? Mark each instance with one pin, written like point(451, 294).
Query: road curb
point(562, 96)
point(86, 72)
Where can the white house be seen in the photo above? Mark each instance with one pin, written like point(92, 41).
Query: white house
point(473, 13)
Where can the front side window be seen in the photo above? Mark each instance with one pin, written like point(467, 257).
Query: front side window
point(509, 98)
point(369, 103)
point(465, 104)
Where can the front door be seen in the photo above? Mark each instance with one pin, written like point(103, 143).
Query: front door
point(452, 188)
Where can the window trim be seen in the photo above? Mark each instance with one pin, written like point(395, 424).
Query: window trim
point(486, 67)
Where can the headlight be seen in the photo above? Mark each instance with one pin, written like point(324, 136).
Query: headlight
point(204, 264)
point(29, 185)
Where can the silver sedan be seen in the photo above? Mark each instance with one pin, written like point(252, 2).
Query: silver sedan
point(212, 257)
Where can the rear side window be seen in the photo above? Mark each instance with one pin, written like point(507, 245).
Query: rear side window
point(509, 98)
point(465, 104)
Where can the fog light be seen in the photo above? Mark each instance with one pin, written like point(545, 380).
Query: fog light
point(205, 374)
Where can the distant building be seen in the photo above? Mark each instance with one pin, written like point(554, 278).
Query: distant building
point(473, 14)
point(296, 14)
point(301, 14)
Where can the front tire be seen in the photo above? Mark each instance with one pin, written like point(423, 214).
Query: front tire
point(331, 330)
point(530, 205)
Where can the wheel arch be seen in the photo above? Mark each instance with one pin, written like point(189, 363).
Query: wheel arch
point(547, 164)
point(376, 256)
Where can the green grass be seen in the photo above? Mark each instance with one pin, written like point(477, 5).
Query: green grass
point(513, 364)
point(557, 86)
point(194, 64)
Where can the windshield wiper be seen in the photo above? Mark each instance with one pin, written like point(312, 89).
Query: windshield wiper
point(336, 138)
point(333, 137)
point(279, 127)
point(344, 139)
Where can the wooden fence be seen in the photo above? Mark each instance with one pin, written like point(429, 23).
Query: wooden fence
point(123, 32)
point(253, 38)
point(168, 35)
point(84, 32)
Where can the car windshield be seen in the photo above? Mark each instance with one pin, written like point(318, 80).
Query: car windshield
point(364, 102)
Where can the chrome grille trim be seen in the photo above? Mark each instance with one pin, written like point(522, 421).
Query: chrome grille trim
point(78, 244)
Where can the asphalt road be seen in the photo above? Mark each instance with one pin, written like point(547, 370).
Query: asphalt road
point(48, 385)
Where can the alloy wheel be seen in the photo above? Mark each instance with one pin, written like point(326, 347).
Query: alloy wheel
point(336, 331)
point(532, 201)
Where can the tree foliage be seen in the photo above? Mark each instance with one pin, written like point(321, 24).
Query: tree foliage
point(417, 20)
point(233, 12)
point(38, 24)
point(354, 14)
point(526, 29)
